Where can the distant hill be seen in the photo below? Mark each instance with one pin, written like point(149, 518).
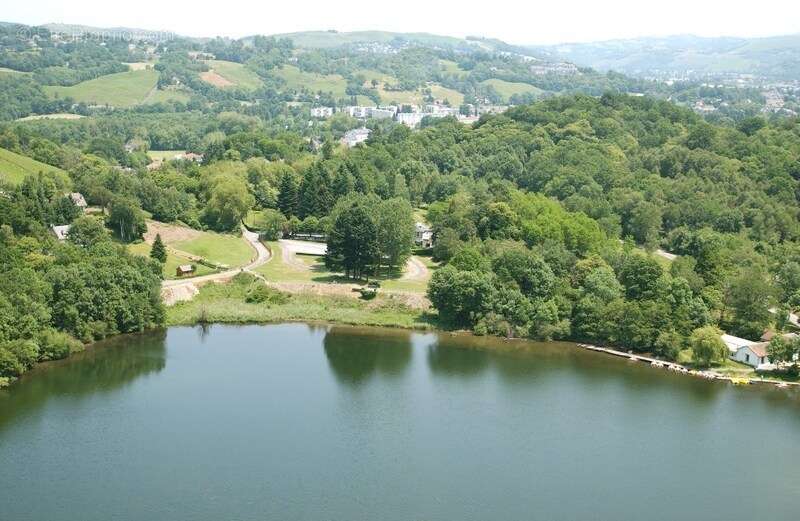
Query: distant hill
point(329, 39)
point(105, 31)
point(14, 167)
point(775, 57)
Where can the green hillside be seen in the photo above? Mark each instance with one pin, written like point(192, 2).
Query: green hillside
point(123, 89)
point(509, 88)
point(297, 80)
point(14, 167)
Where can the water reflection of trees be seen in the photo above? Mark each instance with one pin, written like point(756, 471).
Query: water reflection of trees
point(456, 361)
point(101, 369)
point(355, 356)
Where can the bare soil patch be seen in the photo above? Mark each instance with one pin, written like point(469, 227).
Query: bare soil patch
point(170, 233)
point(215, 79)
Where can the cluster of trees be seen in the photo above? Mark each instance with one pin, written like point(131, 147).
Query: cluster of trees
point(54, 295)
point(367, 233)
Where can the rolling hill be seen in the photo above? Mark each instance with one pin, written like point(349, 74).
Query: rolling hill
point(777, 56)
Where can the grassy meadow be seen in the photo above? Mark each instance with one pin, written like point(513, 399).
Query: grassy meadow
point(298, 80)
point(509, 88)
point(123, 89)
point(218, 248)
point(225, 303)
point(14, 167)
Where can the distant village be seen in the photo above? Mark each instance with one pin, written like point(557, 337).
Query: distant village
point(409, 115)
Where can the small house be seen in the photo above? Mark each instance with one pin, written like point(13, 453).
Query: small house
point(754, 355)
point(354, 137)
point(423, 235)
point(61, 232)
point(184, 269)
point(78, 200)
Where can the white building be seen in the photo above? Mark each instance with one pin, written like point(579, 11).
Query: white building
point(423, 235)
point(321, 112)
point(357, 112)
point(410, 119)
point(354, 137)
point(78, 200)
point(379, 113)
point(61, 232)
point(754, 355)
point(734, 343)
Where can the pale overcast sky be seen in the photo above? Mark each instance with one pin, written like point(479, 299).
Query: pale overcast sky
point(511, 21)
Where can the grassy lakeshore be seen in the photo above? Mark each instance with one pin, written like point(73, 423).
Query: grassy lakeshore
point(225, 303)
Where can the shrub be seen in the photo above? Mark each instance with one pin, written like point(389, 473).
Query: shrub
point(26, 352)
point(260, 293)
point(55, 345)
point(9, 363)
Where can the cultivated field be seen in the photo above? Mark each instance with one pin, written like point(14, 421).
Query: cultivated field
point(228, 74)
point(14, 167)
point(123, 89)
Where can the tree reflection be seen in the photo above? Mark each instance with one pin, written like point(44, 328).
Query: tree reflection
point(444, 357)
point(355, 355)
point(103, 368)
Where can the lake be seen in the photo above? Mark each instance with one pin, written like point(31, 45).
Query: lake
point(302, 422)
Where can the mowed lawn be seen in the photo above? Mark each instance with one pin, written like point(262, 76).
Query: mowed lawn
point(298, 80)
point(236, 73)
point(509, 88)
point(219, 248)
point(123, 89)
point(173, 261)
point(14, 167)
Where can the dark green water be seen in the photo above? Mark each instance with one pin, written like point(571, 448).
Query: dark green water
point(293, 422)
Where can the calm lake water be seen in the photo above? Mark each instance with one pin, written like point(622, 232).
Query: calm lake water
point(289, 422)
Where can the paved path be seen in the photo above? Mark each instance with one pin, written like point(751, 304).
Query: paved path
point(173, 291)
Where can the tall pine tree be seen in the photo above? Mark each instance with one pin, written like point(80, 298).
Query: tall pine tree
point(287, 195)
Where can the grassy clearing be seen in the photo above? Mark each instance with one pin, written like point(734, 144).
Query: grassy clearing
point(443, 93)
point(399, 97)
point(509, 88)
point(276, 270)
point(164, 155)
point(64, 115)
point(173, 261)
point(123, 89)
point(15, 167)
point(236, 73)
point(218, 248)
point(164, 96)
point(451, 67)
point(298, 80)
point(225, 303)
